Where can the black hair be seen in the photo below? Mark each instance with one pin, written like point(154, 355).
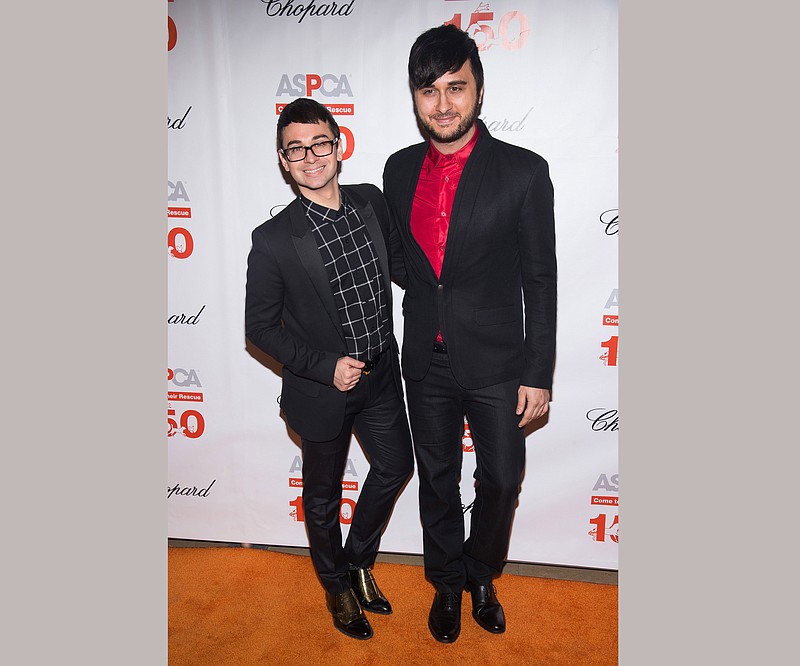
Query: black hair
point(439, 50)
point(308, 112)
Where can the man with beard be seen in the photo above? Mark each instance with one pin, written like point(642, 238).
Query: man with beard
point(475, 221)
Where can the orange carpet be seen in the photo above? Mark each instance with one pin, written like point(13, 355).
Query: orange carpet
point(239, 606)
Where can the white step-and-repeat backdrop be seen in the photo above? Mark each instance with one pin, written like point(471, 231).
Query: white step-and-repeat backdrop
point(551, 86)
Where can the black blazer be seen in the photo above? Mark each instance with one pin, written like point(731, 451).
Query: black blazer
point(290, 313)
point(500, 253)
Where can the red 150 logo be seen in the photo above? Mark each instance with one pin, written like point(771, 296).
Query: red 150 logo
point(603, 529)
point(172, 32)
point(190, 423)
point(484, 35)
point(346, 509)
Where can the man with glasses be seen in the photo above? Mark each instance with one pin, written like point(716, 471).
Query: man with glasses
point(475, 217)
point(319, 301)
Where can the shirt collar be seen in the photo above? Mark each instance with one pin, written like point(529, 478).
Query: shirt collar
point(437, 158)
point(324, 211)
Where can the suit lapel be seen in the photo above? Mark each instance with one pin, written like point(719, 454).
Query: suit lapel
point(408, 199)
point(461, 216)
point(307, 250)
point(376, 235)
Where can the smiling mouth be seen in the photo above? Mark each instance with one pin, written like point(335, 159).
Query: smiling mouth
point(313, 171)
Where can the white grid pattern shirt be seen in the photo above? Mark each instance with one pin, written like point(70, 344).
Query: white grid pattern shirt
point(355, 276)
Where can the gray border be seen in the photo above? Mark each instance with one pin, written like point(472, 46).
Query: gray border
point(84, 275)
point(707, 333)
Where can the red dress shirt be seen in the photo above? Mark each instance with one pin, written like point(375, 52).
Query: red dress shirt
point(433, 201)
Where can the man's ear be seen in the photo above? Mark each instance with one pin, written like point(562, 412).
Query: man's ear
point(284, 163)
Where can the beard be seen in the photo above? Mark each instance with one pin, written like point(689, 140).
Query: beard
point(454, 133)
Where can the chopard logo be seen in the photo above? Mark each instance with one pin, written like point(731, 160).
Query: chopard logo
point(610, 220)
point(191, 320)
point(506, 125)
point(178, 123)
point(193, 491)
point(288, 8)
point(276, 209)
point(603, 419)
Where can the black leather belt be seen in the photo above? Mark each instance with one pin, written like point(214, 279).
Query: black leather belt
point(369, 364)
point(440, 347)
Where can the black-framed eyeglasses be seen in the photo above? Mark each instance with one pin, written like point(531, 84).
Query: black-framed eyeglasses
point(298, 153)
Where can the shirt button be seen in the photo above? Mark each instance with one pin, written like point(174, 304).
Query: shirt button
point(447, 179)
point(444, 214)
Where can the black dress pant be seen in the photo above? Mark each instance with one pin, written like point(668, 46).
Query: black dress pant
point(436, 406)
point(375, 410)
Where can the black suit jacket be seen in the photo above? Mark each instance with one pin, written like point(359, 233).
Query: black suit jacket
point(290, 313)
point(500, 254)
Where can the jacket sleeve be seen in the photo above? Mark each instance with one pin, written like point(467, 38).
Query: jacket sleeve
point(397, 261)
point(538, 259)
point(264, 312)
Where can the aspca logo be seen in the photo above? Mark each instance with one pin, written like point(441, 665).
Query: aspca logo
point(176, 191)
point(305, 85)
point(610, 355)
point(183, 378)
point(609, 484)
point(182, 382)
point(180, 243)
point(605, 526)
point(297, 467)
point(610, 320)
point(613, 300)
point(346, 505)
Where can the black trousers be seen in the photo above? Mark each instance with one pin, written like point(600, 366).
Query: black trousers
point(436, 406)
point(375, 410)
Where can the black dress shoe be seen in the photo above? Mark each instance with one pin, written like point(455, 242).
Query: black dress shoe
point(369, 596)
point(444, 620)
point(486, 609)
point(348, 616)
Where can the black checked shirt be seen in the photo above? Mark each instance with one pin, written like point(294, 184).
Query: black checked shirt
point(355, 276)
